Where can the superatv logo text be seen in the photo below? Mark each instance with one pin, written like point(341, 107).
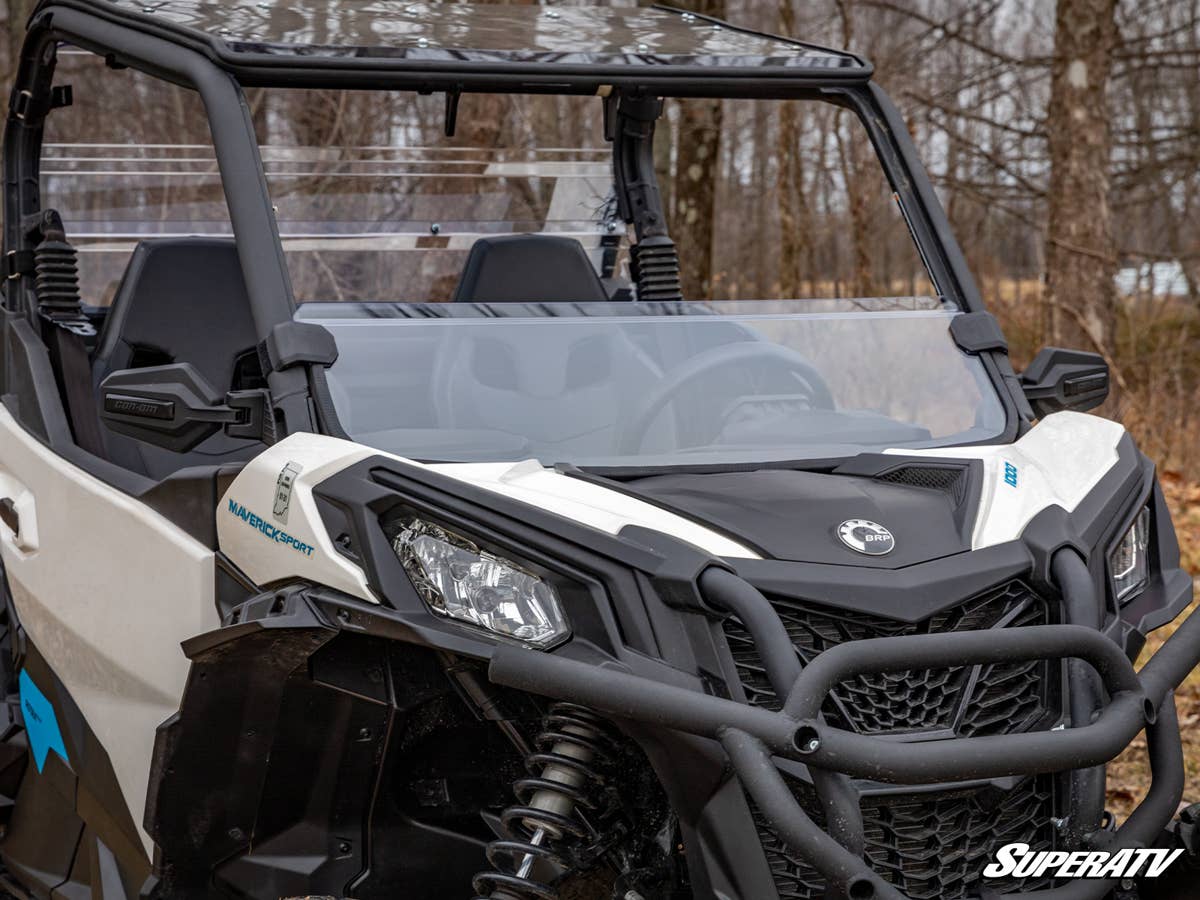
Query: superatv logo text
point(278, 535)
point(1017, 861)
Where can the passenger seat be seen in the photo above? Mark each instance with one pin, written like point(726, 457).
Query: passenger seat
point(181, 300)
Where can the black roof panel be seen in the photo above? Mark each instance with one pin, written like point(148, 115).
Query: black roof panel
point(463, 32)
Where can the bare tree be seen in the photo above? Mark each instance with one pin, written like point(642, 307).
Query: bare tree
point(695, 192)
point(1081, 260)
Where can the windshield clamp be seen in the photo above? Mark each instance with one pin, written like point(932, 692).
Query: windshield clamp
point(978, 332)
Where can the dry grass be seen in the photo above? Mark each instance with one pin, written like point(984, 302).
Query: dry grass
point(1129, 775)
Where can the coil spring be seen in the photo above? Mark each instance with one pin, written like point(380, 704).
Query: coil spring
point(564, 776)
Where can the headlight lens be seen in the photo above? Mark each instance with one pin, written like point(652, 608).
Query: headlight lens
point(461, 581)
point(1130, 561)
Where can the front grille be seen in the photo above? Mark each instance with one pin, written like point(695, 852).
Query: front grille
point(934, 844)
point(968, 701)
point(931, 847)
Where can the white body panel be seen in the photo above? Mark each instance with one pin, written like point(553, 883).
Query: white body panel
point(1057, 463)
point(106, 589)
point(266, 560)
point(266, 557)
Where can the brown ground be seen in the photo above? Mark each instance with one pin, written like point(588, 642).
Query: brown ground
point(1128, 776)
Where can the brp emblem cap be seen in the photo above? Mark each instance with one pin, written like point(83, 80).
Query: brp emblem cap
point(865, 536)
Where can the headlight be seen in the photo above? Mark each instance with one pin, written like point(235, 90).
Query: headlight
point(459, 580)
point(1130, 561)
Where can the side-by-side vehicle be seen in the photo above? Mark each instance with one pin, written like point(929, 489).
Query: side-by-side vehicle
point(380, 516)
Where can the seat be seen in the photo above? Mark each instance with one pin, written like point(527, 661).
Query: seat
point(529, 268)
point(181, 300)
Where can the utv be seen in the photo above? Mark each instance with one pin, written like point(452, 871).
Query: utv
point(571, 586)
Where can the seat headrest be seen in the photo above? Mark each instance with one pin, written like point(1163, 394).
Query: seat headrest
point(183, 298)
point(529, 268)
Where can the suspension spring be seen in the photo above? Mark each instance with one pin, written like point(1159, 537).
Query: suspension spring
point(563, 793)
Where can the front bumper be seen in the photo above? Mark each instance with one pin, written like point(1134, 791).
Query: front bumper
point(752, 737)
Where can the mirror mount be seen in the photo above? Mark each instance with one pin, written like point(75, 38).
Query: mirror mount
point(1059, 379)
point(175, 407)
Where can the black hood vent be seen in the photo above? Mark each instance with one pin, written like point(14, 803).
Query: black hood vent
point(954, 481)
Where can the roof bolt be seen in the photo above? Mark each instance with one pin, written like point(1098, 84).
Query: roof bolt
point(610, 227)
point(435, 228)
point(554, 14)
point(422, 42)
point(716, 27)
point(643, 48)
point(688, 17)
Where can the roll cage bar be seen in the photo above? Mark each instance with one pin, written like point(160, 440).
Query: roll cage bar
point(298, 352)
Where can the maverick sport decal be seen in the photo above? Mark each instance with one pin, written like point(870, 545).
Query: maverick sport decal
point(278, 535)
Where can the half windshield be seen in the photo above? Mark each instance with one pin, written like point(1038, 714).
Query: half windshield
point(652, 384)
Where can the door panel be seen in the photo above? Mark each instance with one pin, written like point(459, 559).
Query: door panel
point(106, 590)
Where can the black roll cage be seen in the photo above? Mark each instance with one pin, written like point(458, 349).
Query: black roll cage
point(204, 64)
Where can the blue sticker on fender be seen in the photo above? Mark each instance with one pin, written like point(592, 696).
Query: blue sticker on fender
point(40, 723)
point(278, 535)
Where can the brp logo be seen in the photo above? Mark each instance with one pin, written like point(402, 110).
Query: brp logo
point(865, 536)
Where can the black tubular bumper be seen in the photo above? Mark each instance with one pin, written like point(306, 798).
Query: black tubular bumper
point(751, 736)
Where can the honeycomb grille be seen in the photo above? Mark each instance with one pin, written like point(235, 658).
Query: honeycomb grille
point(968, 701)
point(931, 847)
point(954, 481)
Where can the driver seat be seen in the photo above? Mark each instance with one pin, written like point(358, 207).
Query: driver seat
point(181, 300)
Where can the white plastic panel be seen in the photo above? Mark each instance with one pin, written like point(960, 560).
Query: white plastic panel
point(1057, 463)
point(106, 589)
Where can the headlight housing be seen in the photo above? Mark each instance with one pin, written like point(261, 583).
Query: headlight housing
point(1129, 562)
point(461, 581)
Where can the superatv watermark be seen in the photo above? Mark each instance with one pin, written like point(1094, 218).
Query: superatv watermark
point(1018, 861)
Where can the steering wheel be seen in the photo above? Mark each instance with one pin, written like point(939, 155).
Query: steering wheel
point(712, 360)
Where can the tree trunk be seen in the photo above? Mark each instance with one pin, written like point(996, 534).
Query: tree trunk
point(795, 217)
point(1080, 248)
point(18, 14)
point(696, 181)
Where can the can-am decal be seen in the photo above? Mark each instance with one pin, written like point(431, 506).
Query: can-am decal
point(278, 535)
point(1019, 861)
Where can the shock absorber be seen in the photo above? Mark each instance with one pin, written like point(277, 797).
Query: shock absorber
point(564, 790)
